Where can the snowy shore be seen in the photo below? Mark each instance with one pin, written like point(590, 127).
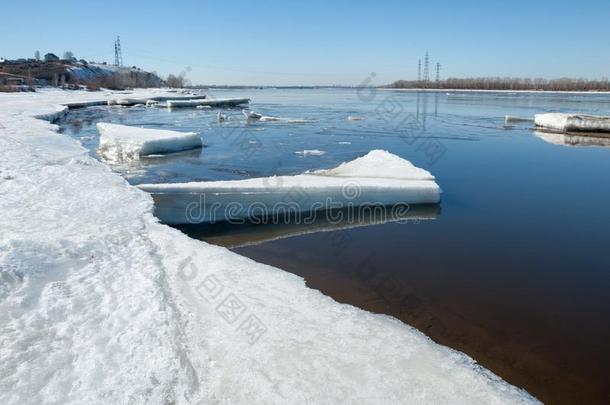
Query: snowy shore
point(99, 303)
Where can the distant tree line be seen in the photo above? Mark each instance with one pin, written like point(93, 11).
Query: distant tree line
point(508, 83)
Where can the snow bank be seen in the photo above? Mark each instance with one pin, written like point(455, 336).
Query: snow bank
point(573, 122)
point(101, 304)
point(379, 178)
point(218, 102)
point(122, 142)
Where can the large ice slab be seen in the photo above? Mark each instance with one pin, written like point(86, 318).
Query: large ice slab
point(573, 122)
point(216, 102)
point(379, 178)
point(122, 142)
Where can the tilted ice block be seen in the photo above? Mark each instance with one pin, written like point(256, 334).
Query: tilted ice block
point(573, 122)
point(218, 102)
point(379, 178)
point(122, 142)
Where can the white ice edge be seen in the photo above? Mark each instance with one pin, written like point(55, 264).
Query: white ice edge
point(122, 142)
point(99, 303)
point(218, 102)
point(573, 122)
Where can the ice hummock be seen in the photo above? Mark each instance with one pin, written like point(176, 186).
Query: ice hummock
point(122, 142)
point(573, 122)
point(379, 178)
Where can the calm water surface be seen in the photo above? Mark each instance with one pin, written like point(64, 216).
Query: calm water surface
point(513, 268)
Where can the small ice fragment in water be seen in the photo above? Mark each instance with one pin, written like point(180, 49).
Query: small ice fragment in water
point(310, 152)
point(251, 115)
point(512, 118)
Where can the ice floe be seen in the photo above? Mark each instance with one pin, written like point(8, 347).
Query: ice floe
point(217, 102)
point(379, 178)
point(122, 142)
point(254, 116)
point(573, 122)
point(310, 152)
point(99, 303)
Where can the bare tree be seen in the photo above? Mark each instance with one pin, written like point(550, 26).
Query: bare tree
point(175, 81)
point(68, 55)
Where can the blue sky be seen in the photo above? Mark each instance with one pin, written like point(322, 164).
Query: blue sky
point(320, 42)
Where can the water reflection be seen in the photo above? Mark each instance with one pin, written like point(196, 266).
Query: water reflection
point(259, 231)
point(573, 139)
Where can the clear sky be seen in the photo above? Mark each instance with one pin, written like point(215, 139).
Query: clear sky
point(319, 42)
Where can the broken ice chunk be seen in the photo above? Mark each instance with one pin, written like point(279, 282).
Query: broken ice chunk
point(122, 142)
point(573, 122)
point(379, 178)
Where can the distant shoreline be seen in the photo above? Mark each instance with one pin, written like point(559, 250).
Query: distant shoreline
point(385, 88)
point(496, 91)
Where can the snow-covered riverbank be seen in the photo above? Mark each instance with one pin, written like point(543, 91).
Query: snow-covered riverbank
point(99, 303)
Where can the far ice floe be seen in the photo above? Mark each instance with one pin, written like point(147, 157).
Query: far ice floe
point(573, 122)
point(378, 178)
point(254, 116)
point(212, 102)
point(122, 142)
point(310, 152)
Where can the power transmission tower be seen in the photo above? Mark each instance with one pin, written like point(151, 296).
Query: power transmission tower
point(118, 55)
point(438, 72)
point(427, 68)
point(419, 70)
